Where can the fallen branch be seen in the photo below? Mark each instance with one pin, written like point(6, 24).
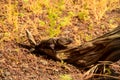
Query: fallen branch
point(106, 47)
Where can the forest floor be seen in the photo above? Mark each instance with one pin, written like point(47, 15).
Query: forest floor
point(17, 63)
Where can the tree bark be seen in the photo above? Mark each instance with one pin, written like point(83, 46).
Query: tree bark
point(106, 47)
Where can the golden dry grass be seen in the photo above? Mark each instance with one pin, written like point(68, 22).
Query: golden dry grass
point(49, 16)
point(18, 15)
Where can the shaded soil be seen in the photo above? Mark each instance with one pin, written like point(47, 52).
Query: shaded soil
point(17, 63)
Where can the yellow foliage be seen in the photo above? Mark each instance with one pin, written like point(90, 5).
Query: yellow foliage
point(17, 15)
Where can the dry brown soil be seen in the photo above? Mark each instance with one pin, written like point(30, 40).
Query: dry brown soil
point(17, 63)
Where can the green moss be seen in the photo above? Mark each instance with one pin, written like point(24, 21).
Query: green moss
point(83, 15)
point(65, 77)
point(42, 23)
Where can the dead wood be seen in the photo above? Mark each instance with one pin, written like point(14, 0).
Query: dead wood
point(106, 47)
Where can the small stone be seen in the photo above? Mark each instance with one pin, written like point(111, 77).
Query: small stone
point(7, 73)
point(44, 62)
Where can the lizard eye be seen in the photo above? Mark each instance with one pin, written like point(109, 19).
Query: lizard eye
point(64, 41)
point(52, 46)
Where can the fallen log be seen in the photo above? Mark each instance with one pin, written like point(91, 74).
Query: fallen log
point(105, 47)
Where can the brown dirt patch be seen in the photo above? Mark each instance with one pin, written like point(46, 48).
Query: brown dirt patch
point(18, 63)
